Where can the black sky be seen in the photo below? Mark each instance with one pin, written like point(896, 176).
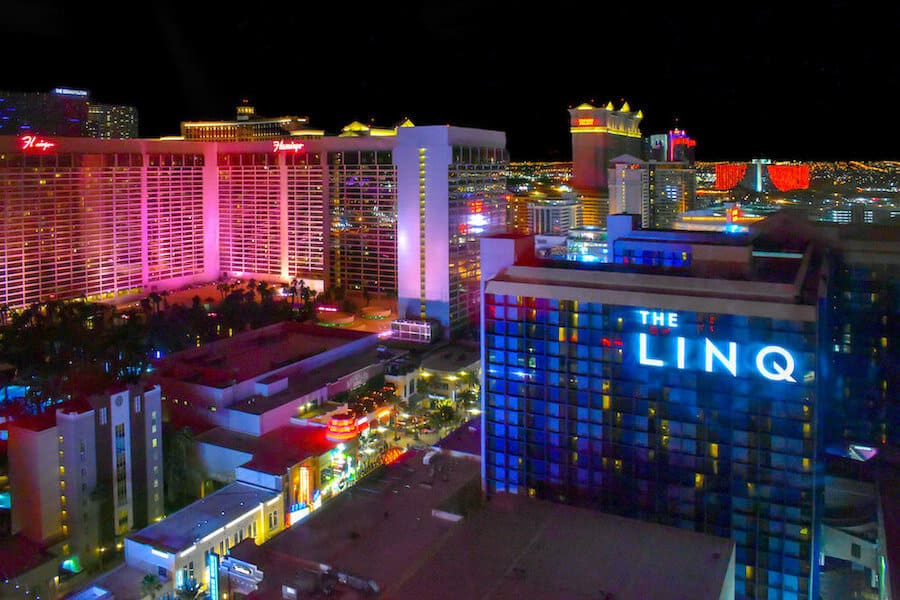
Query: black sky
point(778, 80)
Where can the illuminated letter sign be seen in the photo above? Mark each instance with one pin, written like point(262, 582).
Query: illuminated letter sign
point(31, 144)
point(587, 122)
point(772, 362)
point(279, 146)
point(777, 372)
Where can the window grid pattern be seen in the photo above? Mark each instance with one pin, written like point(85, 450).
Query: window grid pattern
point(363, 216)
point(250, 214)
point(174, 216)
point(571, 416)
point(306, 234)
point(72, 227)
point(476, 204)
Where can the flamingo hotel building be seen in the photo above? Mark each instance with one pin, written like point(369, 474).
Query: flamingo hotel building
point(116, 219)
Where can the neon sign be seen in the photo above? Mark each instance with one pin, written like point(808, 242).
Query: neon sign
point(586, 122)
point(279, 146)
point(32, 144)
point(212, 563)
point(771, 362)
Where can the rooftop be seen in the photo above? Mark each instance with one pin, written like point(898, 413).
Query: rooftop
point(19, 555)
point(183, 528)
point(275, 451)
point(302, 381)
point(465, 439)
point(254, 353)
point(452, 357)
point(384, 528)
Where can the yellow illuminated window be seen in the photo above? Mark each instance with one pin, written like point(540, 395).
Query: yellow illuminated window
point(748, 572)
point(698, 480)
point(714, 450)
point(62, 470)
point(806, 464)
point(606, 402)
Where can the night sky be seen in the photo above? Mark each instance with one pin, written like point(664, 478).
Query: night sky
point(746, 80)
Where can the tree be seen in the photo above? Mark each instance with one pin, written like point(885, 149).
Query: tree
point(156, 299)
point(150, 585)
point(183, 471)
point(191, 590)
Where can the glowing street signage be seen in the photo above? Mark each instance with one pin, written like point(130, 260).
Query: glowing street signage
point(279, 146)
point(70, 92)
point(772, 362)
point(32, 144)
point(212, 563)
point(586, 122)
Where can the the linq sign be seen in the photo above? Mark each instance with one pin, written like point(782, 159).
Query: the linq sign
point(774, 363)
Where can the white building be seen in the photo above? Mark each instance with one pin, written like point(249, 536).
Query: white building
point(451, 187)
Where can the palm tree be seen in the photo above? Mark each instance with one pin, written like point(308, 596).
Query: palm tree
point(190, 591)
point(4, 313)
point(150, 585)
point(224, 288)
point(156, 299)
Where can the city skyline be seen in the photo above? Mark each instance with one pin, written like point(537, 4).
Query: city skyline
point(778, 84)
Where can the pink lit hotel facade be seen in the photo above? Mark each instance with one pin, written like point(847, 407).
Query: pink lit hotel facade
point(113, 220)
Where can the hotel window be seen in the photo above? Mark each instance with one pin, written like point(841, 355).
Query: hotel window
point(103, 416)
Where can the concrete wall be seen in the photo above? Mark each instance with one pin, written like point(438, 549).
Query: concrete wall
point(220, 463)
point(34, 478)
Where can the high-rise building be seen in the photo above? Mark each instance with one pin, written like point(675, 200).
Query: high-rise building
point(88, 473)
point(696, 382)
point(64, 112)
point(115, 219)
point(248, 126)
point(598, 136)
point(553, 216)
point(451, 184)
point(657, 191)
point(674, 146)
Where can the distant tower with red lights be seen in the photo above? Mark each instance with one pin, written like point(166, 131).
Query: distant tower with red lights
point(761, 175)
point(600, 134)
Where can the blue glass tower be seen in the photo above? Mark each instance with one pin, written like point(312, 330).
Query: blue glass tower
point(682, 395)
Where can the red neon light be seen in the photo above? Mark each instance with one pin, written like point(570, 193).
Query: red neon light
point(463, 229)
point(728, 175)
point(32, 144)
point(279, 146)
point(476, 207)
point(789, 177)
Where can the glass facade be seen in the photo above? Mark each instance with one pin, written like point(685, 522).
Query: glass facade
point(864, 334)
point(692, 421)
point(363, 214)
point(476, 198)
